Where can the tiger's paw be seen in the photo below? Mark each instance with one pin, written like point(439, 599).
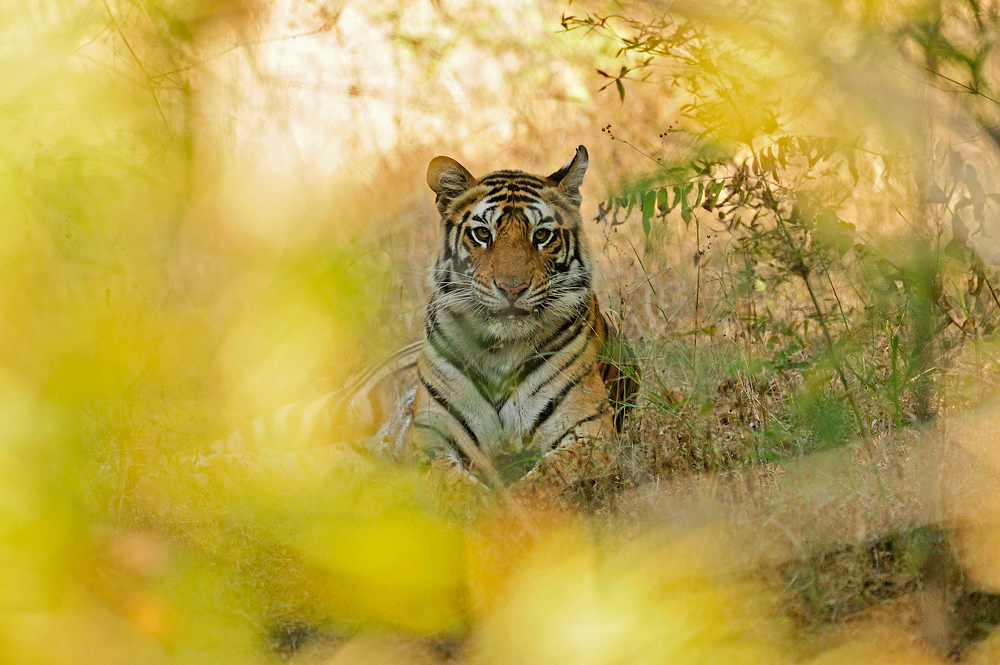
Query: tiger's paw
point(568, 479)
point(541, 492)
point(457, 492)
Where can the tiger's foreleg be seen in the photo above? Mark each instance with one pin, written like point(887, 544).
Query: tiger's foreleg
point(575, 467)
point(584, 458)
point(456, 489)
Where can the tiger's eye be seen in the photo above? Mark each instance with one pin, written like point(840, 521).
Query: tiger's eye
point(482, 233)
point(542, 236)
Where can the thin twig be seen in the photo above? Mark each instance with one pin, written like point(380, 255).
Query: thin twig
point(152, 90)
point(323, 28)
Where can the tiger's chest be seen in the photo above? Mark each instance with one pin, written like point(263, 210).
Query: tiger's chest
point(507, 399)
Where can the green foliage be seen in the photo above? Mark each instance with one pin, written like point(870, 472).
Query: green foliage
point(800, 268)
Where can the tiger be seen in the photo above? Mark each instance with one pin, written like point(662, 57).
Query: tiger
point(520, 382)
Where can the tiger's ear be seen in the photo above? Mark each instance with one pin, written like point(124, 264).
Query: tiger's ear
point(570, 176)
point(448, 179)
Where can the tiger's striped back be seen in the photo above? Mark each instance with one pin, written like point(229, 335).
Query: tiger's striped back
point(370, 400)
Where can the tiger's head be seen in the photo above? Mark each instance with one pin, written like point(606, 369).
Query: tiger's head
point(512, 259)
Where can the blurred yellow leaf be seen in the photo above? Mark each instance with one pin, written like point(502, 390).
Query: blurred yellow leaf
point(387, 562)
point(573, 599)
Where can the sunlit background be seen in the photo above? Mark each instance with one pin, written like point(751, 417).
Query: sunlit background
point(212, 208)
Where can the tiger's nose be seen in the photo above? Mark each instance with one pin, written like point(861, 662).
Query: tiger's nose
point(512, 291)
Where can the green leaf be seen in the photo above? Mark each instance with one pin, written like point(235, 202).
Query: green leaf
point(678, 195)
point(955, 250)
point(713, 191)
point(621, 89)
point(833, 233)
point(685, 206)
point(648, 205)
point(663, 200)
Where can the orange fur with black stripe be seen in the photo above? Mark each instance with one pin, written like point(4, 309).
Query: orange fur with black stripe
point(519, 370)
point(520, 378)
